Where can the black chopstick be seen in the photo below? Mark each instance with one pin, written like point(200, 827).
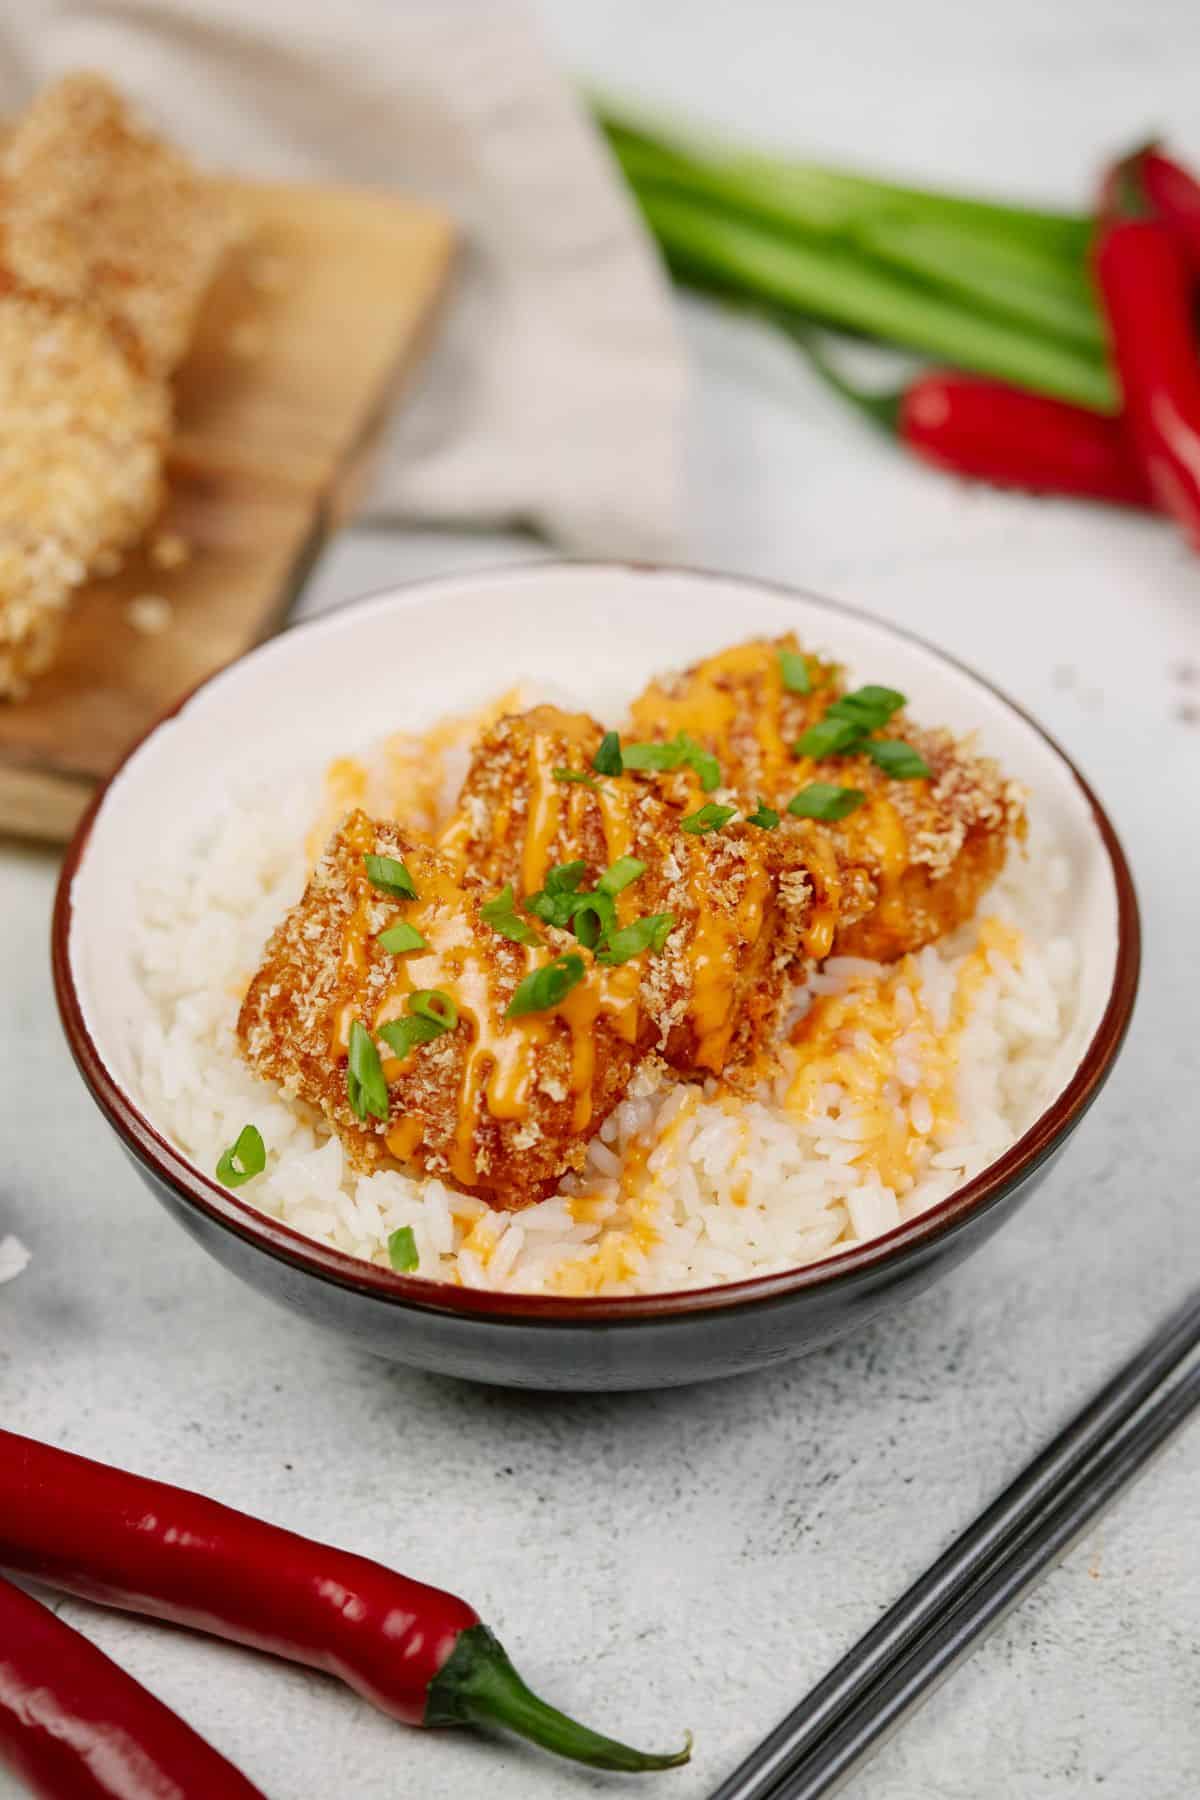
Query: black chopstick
point(967, 1560)
point(935, 1656)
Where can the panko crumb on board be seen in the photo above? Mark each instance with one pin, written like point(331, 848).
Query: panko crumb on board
point(109, 240)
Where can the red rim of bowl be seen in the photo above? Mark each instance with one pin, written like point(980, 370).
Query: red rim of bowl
point(282, 1243)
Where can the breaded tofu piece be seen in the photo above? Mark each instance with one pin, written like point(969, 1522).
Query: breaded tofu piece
point(96, 209)
point(912, 861)
point(82, 438)
point(499, 1107)
point(741, 899)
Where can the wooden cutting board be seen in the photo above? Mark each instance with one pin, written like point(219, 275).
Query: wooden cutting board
point(301, 350)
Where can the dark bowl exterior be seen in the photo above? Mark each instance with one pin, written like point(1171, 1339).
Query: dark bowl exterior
point(641, 1341)
point(571, 1354)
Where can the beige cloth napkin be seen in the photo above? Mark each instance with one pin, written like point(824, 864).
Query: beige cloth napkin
point(554, 393)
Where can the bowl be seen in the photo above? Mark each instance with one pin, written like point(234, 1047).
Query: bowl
point(402, 658)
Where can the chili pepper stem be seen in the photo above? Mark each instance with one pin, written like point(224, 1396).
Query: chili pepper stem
point(478, 1685)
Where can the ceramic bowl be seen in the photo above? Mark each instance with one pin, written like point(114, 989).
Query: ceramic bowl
point(402, 658)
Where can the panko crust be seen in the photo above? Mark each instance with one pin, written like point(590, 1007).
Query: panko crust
point(324, 964)
point(742, 898)
point(911, 863)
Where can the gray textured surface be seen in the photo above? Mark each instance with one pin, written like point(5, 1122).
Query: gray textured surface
point(700, 1557)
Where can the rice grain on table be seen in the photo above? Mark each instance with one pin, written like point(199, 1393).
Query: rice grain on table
point(901, 1081)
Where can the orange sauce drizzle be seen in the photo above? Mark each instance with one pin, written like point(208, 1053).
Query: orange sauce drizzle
point(501, 1060)
point(714, 951)
point(849, 1039)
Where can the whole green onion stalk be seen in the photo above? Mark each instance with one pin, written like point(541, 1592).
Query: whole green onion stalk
point(1002, 290)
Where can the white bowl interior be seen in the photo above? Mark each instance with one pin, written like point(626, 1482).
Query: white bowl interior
point(400, 660)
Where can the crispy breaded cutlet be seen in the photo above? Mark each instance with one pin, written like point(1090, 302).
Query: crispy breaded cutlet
point(95, 208)
point(912, 861)
point(499, 1107)
point(81, 447)
point(108, 241)
point(741, 899)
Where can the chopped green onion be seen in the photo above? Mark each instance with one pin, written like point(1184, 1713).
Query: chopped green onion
point(390, 876)
point(402, 1250)
point(564, 878)
point(578, 775)
point(403, 1035)
point(502, 915)
point(653, 756)
point(867, 707)
point(593, 918)
point(365, 1087)
point(896, 758)
point(244, 1158)
point(607, 760)
point(681, 749)
point(709, 818)
point(401, 937)
point(825, 800)
point(705, 764)
point(620, 875)
point(430, 1014)
point(545, 987)
point(650, 933)
point(435, 1004)
point(829, 737)
point(793, 669)
point(555, 903)
point(764, 816)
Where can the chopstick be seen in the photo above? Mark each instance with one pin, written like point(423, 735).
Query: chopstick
point(1060, 1491)
point(936, 1655)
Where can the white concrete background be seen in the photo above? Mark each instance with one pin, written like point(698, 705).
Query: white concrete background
point(699, 1557)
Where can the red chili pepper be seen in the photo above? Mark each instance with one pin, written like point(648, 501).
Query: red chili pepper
point(74, 1726)
point(1145, 287)
point(417, 1653)
point(990, 432)
point(1174, 195)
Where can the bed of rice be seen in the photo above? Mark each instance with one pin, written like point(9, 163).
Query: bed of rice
point(902, 1082)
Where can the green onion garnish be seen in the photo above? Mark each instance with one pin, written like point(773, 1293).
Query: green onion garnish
point(824, 800)
point(896, 758)
point(435, 1004)
point(793, 669)
point(620, 875)
point(681, 749)
point(829, 737)
point(545, 987)
point(555, 903)
point(564, 878)
point(244, 1158)
point(403, 1035)
point(390, 876)
point(578, 775)
point(868, 707)
point(401, 937)
point(650, 933)
point(402, 1250)
point(709, 818)
point(764, 816)
point(607, 760)
point(502, 915)
point(365, 1086)
point(653, 756)
point(593, 918)
point(430, 1013)
point(705, 764)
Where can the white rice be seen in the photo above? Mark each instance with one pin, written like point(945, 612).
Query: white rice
point(684, 1187)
